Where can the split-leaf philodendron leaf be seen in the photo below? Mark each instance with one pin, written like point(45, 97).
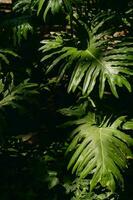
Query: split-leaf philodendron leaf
point(105, 60)
point(100, 151)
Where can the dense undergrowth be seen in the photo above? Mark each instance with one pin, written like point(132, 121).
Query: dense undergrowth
point(66, 117)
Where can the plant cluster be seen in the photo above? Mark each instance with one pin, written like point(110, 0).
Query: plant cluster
point(66, 100)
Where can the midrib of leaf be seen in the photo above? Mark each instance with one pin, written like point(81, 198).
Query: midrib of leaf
point(94, 57)
point(98, 61)
point(102, 149)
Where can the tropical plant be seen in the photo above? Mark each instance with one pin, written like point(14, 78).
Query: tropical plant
point(54, 6)
point(101, 151)
point(25, 6)
point(68, 103)
point(80, 188)
point(21, 32)
point(4, 53)
point(96, 56)
point(13, 97)
point(20, 24)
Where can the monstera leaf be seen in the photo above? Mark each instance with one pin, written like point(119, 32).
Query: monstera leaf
point(104, 59)
point(100, 151)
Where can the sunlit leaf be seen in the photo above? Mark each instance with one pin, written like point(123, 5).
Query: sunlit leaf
point(100, 150)
point(101, 62)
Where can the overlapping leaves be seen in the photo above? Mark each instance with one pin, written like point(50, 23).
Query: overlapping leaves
point(5, 53)
point(24, 91)
point(21, 32)
point(24, 6)
point(100, 150)
point(104, 60)
point(55, 6)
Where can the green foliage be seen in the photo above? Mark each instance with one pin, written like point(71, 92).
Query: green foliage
point(4, 53)
point(23, 25)
point(55, 6)
point(18, 26)
point(128, 125)
point(80, 188)
point(102, 56)
point(24, 6)
point(6, 77)
point(127, 18)
point(21, 32)
point(96, 150)
point(21, 92)
point(85, 59)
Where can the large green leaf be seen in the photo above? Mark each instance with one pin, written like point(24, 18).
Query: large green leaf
point(100, 151)
point(104, 60)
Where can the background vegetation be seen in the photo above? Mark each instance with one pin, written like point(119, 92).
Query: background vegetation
point(66, 117)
